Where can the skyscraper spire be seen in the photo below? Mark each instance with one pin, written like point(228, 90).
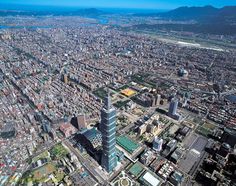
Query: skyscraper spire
point(107, 101)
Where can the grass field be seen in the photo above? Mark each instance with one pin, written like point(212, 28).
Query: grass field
point(206, 129)
point(102, 93)
point(41, 175)
point(45, 154)
point(43, 172)
point(58, 151)
point(120, 104)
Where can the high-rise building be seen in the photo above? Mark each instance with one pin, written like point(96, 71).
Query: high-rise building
point(67, 129)
point(46, 126)
point(108, 129)
point(157, 144)
point(157, 99)
point(148, 99)
point(81, 121)
point(173, 107)
point(65, 78)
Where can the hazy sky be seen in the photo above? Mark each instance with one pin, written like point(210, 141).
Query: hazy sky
point(151, 4)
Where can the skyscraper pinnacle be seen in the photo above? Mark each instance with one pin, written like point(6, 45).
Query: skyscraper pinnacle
point(107, 103)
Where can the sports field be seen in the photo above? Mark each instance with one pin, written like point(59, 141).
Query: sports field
point(43, 172)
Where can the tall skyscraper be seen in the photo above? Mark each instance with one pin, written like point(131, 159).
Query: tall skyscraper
point(108, 129)
point(173, 107)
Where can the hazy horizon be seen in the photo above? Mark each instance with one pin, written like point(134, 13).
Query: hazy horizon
point(122, 4)
point(74, 8)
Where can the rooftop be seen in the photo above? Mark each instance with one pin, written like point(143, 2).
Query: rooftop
point(126, 143)
point(128, 92)
point(150, 179)
point(91, 133)
point(136, 169)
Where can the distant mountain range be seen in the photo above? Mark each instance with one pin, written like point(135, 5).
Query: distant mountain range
point(204, 14)
point(205, 20)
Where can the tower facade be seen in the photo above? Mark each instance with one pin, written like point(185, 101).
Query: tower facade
point(157, 144)
point(46, 126)
point(108, 129)
point(173, 107)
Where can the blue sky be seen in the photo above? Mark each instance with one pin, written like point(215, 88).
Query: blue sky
point(150, 4)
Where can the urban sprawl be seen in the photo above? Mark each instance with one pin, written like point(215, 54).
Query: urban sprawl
point(84, 103)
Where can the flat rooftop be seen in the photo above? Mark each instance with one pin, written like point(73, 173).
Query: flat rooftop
point(127, 144)
point(136, 169)
point(149, 179)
